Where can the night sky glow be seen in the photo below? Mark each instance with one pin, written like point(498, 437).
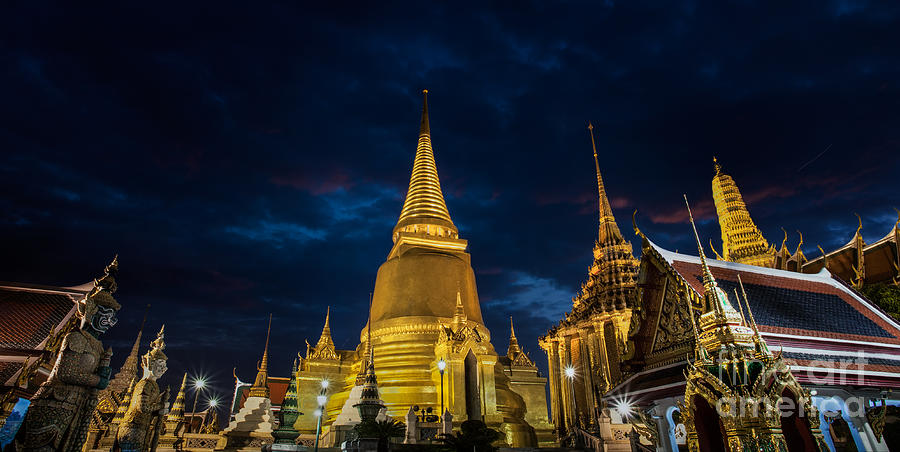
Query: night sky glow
point(244, 159)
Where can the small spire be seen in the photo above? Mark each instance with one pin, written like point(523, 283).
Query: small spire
point(459, 317)
point(514, 348)
point(260, 386)
point(716, 166)
point(424, 127)
point(757, 337)
point(369, 395)
point(609, 230)
point(325, 340)
point(176, 414)
point(709, 283)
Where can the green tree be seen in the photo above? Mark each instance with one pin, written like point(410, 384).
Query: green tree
point(885, 295)
point(472, 435)
point(384, 430)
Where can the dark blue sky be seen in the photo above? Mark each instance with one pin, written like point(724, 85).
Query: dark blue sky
point(252, 158)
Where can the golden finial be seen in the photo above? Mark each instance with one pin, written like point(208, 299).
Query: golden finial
point(858, 229)
point(512, 329)
point(749, 311)
point(716, 165)
point(634, 225)
point(898, 217)
point(740, 308)
point(783, 241)
point(713, 248)
point(265, 359)
point(424, 127)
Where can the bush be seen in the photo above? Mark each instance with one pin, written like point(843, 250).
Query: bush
point(472, 435)
point(885, 295)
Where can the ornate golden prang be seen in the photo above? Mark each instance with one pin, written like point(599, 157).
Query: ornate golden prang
point(142, 424)
point(516, 356)
point(62, 409)
point(325, 347)
point(741, 240)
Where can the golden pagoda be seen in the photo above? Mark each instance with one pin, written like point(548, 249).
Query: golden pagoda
point(591, 341)
point(741, 240)
point(424, 309)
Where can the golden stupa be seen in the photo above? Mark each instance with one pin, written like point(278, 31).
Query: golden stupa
point(425, 309)
point(742, 242)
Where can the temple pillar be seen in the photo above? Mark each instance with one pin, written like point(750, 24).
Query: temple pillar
point(565, 359)
point(587, 376)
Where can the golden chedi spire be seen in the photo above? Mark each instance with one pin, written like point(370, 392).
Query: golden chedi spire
point(176, 414)
point(611, 277)
point(424, 209)
point(742, 241)
point(260, 386)
point(428, 262)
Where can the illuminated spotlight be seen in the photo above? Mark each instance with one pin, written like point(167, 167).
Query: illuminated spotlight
point(624, 408)
point(317, 413)
point(199, 383)
point(324, 384)
point(442, 365)
point(321, 400)
point(570, 372)
point(813, 392)
point(213, 403)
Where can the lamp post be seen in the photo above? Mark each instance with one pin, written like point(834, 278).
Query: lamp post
point(570, 375)
point(441, 366)
point(199, 384)
point(321, 399)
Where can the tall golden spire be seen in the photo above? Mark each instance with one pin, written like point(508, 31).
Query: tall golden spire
point(741, 240)
point(424, 210)
point(609, 230)
point(610, 283)
point(721, 324)
point(260, 386)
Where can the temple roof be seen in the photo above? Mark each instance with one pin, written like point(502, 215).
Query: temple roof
point(786, 302)
point(30, 315)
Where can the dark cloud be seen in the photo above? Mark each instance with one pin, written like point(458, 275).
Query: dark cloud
point(245, 159)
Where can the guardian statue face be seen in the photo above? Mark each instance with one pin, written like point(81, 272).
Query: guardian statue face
point(157, 368)
point(103, 319)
